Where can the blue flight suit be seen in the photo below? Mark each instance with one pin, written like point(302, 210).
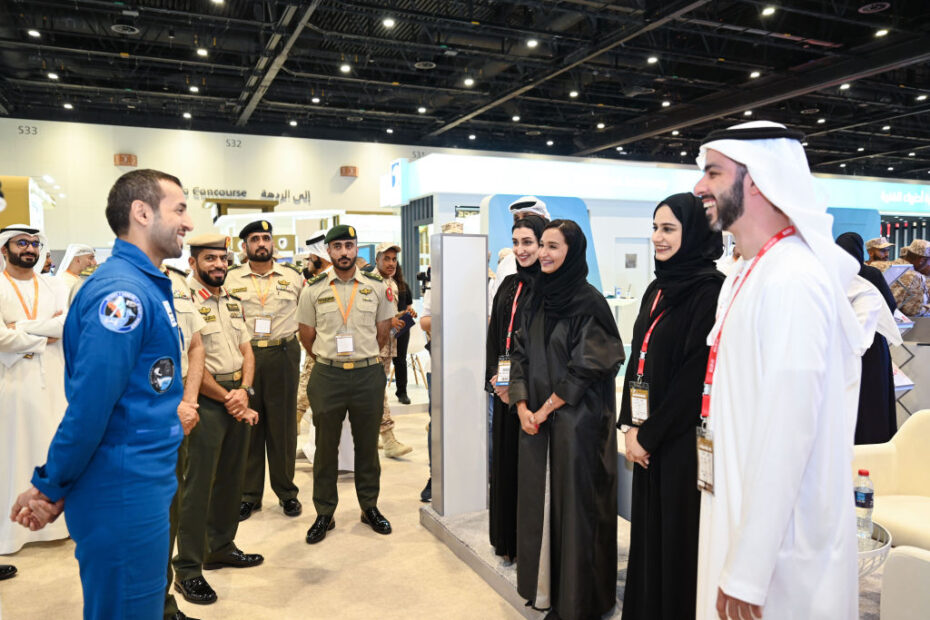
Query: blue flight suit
point(114, 454)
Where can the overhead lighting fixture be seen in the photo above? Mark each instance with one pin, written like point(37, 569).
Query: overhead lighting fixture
point(388, 22)
point(469, 81)
point(421, 110)
point(881, 33)
point(921, 97)
point(619, 148)
point(53, 76)
point(747, 113)
point(202, 51)
point(315, 100)
point(886, 128)
point(217, 1)
point(187, 115)
point(293, 123)
point(890, 168)
point(755, 74)
point(804, 144)
point(601, 125)
point(68, 106)
point(472, 136)
point(573, 94)
point(860, 149)
point(821, 121)
point(345, 67)
point(194, 89)
point(34, 33)
point(389, 130)
point(675, 132)
point(549, 142)
point(515, 118)
point(652, 60)
point(665, 104)
point(911, 154)
point(531, 43)
point(844, 86)
point(842, 165)
point(768, 11)
point(683, 153)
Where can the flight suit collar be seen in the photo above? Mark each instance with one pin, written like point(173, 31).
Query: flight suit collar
point(131, 253)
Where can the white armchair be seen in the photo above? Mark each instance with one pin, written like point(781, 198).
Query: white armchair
point(905, 595)
point(900, 471)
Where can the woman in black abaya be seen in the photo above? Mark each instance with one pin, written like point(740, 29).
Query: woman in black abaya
point(679, 306)
point(564, 365)
point(510, 302)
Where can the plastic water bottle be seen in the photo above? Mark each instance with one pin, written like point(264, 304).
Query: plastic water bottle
point(865, 491)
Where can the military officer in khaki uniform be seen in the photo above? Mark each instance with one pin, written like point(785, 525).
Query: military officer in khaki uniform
point(192, 358)
point(345, 319)
point(269, 293)
point(217, 447)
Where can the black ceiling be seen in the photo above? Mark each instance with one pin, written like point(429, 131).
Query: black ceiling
point(134, 63)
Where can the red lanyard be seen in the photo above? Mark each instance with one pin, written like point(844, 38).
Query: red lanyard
point(642, 353)
point(712, 358)
point(513, 313)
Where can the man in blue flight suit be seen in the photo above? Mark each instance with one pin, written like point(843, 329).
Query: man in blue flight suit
point(111, 464)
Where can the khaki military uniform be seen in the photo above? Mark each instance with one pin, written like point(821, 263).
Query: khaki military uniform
point(910, 290)
point(350, 381)
point(218, 445)
point(270, 304)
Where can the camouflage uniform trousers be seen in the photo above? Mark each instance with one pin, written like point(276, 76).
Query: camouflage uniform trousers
point(303, 403)
point(386, 422)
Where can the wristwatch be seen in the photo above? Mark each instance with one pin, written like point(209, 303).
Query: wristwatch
point(624, 428)
point(248, 389)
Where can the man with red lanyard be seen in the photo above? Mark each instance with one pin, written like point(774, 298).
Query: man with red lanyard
point(32, 384)
point(777, 534)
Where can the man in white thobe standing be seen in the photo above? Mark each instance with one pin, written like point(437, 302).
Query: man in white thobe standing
point(778, 531)
point(77, 258)
point(32, 389)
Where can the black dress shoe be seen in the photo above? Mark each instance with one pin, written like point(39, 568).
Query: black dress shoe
point(6, 571)
point(426, 495)
point(180, 615)
point(292, 507)
point(236, 559)
point(247, 508)
point(403, 399)
point(374, 518)
point(317, 531)
point(196, 590)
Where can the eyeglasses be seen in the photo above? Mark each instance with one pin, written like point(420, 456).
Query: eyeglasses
point(22, 244)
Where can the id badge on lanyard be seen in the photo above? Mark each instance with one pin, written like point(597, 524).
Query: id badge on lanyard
point(345, 343)
point(705, 458)
point(262, 326)
point(503, 370)
point(639, 402)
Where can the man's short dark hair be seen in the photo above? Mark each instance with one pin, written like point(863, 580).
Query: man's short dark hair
point(136, 185)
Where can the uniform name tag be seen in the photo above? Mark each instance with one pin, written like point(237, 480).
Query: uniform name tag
point(345, 344)
point(503, 371)
point(262, 326)
point(170, 314)
point(639, 402)
point(705, 457)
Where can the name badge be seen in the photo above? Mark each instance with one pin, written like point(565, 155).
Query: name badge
point(639, 402)
point(705, 457)
point(345, 344)
point(262, 326)
point(503, 370)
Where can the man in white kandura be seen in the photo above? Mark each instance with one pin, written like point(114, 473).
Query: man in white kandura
point(778, 531)
point(32, 372)
point(77, 258)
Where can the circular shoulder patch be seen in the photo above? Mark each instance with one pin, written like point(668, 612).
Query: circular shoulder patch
point(161, 374)
point(120, 312)
point(390, 294)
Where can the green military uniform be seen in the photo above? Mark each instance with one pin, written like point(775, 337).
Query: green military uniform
point(218, 445)
point(347, 376)
point(270, 302)
point(190, 323)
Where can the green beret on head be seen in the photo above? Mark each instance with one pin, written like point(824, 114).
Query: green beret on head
point(340, 232)
point(256, 226)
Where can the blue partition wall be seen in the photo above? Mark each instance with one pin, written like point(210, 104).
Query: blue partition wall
point(500, 223)
point(866, 222)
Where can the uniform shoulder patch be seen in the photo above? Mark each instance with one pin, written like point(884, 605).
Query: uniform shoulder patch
point(373, 275)
point(292, 266)
point(180, 272)
point(317, 278)
point(120, 312)
point(236, 297)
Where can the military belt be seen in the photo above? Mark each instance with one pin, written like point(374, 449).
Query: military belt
point(229, 376)
point(277, 342)
point(371, 361)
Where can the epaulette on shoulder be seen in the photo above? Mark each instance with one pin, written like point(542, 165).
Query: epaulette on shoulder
point(88, 270)
point(234, 267)
point(317, 278)
point(373, 275)
point(180, 272)
point(293, 266)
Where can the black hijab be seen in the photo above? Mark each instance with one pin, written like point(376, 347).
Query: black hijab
point(693, 264)
point(852, 243)
point(565, 292)
point(528, 275)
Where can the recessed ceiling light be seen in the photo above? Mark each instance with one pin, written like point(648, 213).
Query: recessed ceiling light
point(767, 11)
point(684, 153)
point(601, 125)
point(549, 142)
point(842, 165)
point(747, 113)
point(652, 60)
point(619, 148)
point(34, 33)
point(388, 22)
point(469, 81)
point(804, 144)
point(194, 89)
point(665, 104)
point(389, 130)
point(53, 76)
point(421, 110)
point(675, 132)
point(532, 43)
point(911, 154)
point(886, 128)
point(881, 33)
point(187, 115)
point(890, 168)
point(293, 123)
point(573, 94)
point(217, 1)
point(68, 106)
point(515, 118)
point(844, 86)
point(821, 121)
point(315, 100)
point(472, 136)
point(921, 97)
point(860, 149)
point(755, 74)
point(202, 51)
point(345, 67)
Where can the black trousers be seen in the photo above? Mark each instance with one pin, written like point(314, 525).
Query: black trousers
point(400, 364)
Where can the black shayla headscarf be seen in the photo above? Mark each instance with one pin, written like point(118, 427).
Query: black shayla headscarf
point(852, 243)
point(565, 292)
point(693, 264)
point(528, 275)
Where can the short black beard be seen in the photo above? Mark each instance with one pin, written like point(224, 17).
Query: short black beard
point(209, 280)
point(253, 256)
point(17, 261)
point(730, 205)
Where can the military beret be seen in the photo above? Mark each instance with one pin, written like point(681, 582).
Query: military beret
point(256, 226)
point(210, 240)
point(340, 232)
